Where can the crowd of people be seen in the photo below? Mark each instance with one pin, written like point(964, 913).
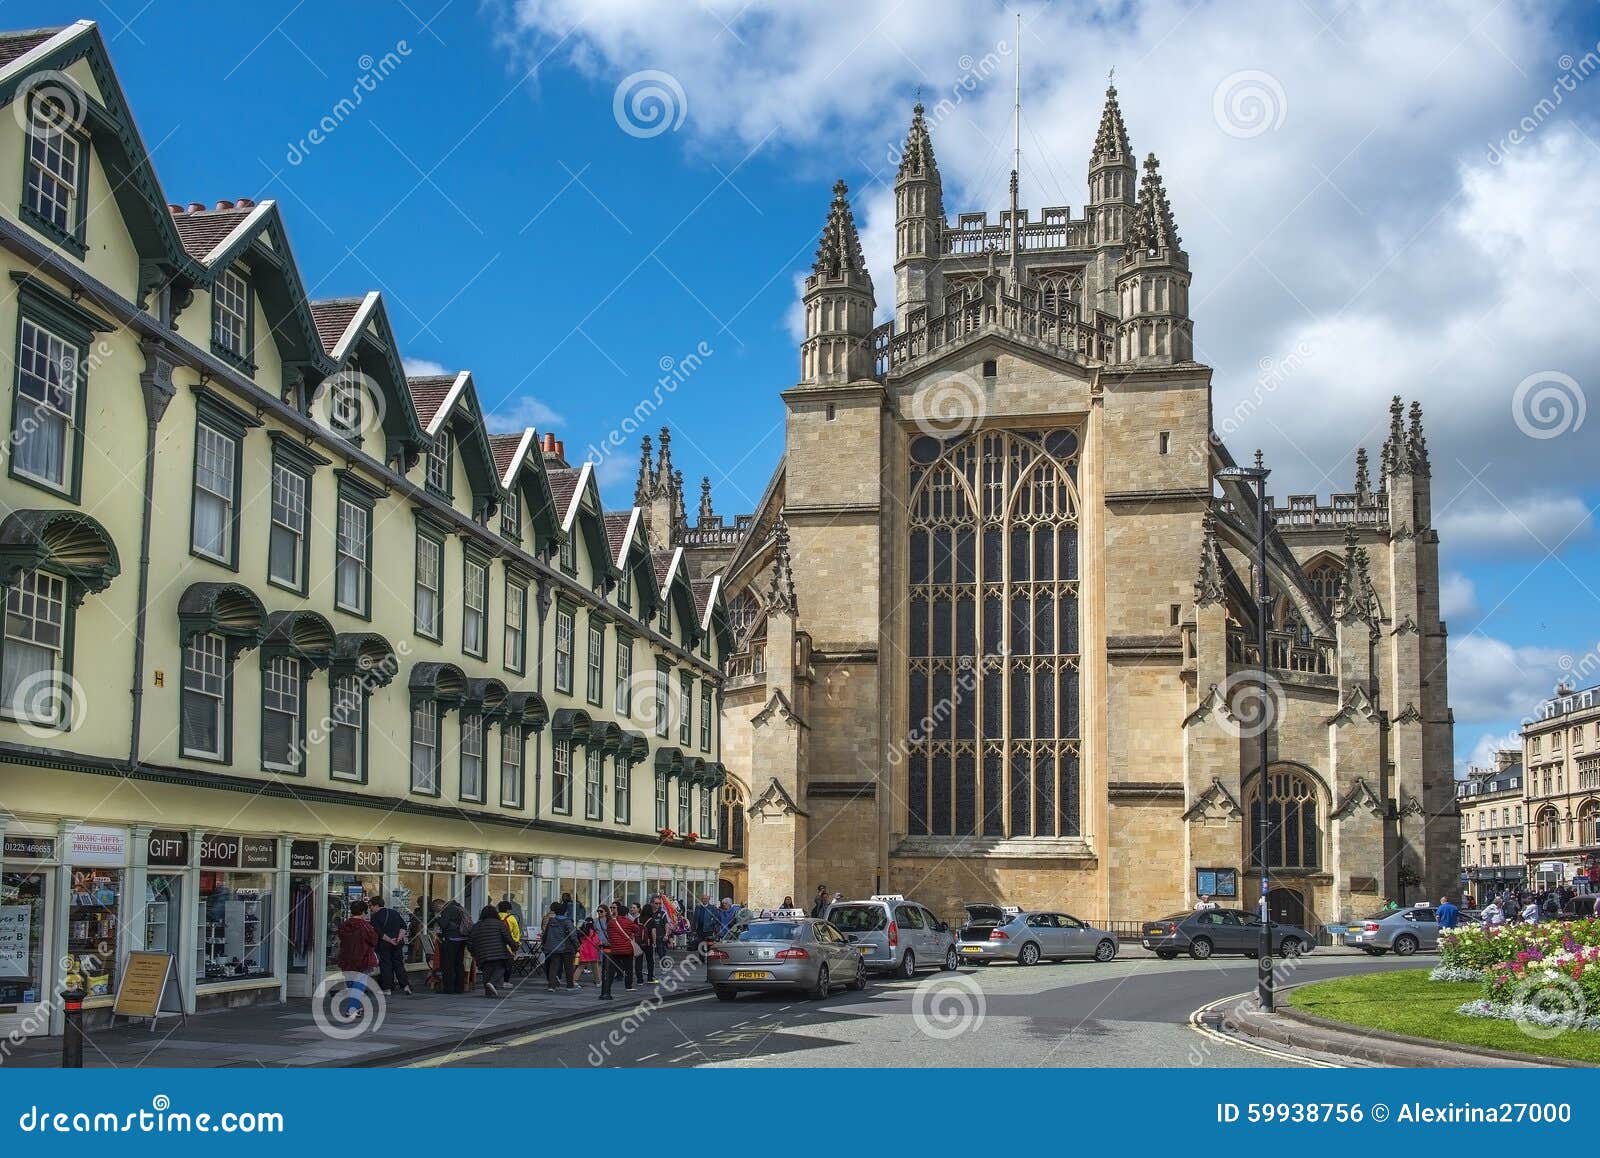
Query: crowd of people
point(576, 948)
point(1509, 907)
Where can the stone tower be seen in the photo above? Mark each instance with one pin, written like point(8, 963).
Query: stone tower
point(838, 302)
point(918, 223)
point(1153, 286)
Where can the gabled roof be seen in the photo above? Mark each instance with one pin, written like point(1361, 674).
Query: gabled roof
point(428, 394)
point(451, 403)
point(508, 450)
point(618, 524)
point(519, 466)
point(581, 513)
point(713, 611)
point(672, 574)
point(356, 333)
point(16, 44)
point(563, 489)
point(333, 317)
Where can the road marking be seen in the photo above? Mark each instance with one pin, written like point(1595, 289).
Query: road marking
point(1196, 1024)
point(541, 1034)
point(672, 1061)
point(647, 1057)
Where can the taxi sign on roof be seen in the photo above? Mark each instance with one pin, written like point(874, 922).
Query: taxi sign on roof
point(887, 897)
point(785, 914)
point(1011, 908)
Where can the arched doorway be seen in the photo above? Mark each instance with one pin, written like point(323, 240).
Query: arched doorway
point(1286, 907)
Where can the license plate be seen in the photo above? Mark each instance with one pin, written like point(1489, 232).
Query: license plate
point(752, 975)
point(972, 948)
point(1355, 928)
point(1155, 932)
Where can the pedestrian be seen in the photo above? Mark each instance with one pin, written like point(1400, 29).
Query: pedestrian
point(1449, 916)
point(513, 922)
point(392, 931)
point(819, 907)
point(725, 915)
point(588, 954)
point(452, 924)
point(619, 946)
point(1552, 907)
point(357, 957)
point(706, 922)
point(652, 940)
point(1204, 903)
point(574, 910)
point(491, 944)
point(559, 942)
point(1530, 912)
point(1493, 915)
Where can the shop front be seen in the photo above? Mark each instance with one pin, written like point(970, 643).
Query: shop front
point(425, 881)
point(236, 920)
point(27, 917)
point(511, 879)
point(94, 869)
point(355, 873)
point(306, 903)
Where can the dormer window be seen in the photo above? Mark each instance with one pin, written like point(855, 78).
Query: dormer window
point(230, 315)
point(439, 464)
point(625, 591)
point(569, 555)
point(511, 517)
point(344, 407)
point(54, 189)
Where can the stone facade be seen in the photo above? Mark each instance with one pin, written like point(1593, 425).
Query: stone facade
point(920, 701)
point(1561, 752)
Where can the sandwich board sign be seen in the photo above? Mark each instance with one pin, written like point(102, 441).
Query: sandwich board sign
point(149, 988)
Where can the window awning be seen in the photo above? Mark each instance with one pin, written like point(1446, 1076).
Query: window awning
point(715, 775)
point(69, 542)
point(571, 724)
point(487, 696)
point(609, 737)
point(440, 683)
point(303, 634)
point(693, 769)
point(527, 709)
point(230, 610)
point(669, 761)
point(637, 746)
point(366, 654)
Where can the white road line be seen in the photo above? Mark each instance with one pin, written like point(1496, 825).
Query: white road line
point(672, 1061)
point(647, 1057)
point(539, 1035)
point(1196, 1024)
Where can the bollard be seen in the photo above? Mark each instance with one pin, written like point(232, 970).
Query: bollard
point(72, 1038)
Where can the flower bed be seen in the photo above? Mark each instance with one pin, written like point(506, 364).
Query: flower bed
point(1478, 947)
point(1545, 977)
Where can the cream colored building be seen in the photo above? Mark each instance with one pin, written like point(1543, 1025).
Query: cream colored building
point(284, 628)
point(994, 616)
point(1493, 831)
point(1561, 751)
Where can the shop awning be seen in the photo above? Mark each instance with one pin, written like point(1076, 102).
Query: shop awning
point(366, 654)
point(230, 610)
point(527, 709)
point(69, 542)
point(715, 775)
point(571, 724)
point(302, 634)
point(442, 683)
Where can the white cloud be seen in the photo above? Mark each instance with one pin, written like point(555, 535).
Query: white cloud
point(1493, 681)
point(1536, 524)
point(517, 414)
point(1483, 752)
point(422, 367)
point(1458, 597)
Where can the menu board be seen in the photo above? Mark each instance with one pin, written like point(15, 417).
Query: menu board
point(16, 923)
point(149, 986)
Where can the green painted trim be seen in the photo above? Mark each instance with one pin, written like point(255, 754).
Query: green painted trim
point(362, 747)
point(73, 240)
point(519, 587)
point(470, 560)
point(66, 684)
point(45, 310)
point(571, 612)
point(243, 361)
point(357, 494)
point(597, 621)
point(300, 730)
point(226, 759)
point(438, 751)
point(65, 314)
point(219, 421)
point(289, 455)
point(437, 634)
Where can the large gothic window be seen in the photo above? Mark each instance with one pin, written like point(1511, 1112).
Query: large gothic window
point(992, 735)
point(1326, 577)
point(1289, 812)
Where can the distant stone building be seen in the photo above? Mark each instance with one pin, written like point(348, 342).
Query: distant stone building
point(993, 614)
point(1561, 751)
point(1492, 833)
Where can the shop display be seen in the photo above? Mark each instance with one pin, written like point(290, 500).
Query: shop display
point(235, 927)
point(92, 928)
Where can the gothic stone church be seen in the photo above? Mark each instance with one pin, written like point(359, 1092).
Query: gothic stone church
point(995, 610)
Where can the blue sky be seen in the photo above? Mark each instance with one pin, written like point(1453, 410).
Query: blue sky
point(1373, 203)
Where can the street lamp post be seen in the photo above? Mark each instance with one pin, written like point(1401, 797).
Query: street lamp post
point(1257, 475)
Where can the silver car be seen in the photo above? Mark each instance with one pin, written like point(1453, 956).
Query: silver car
point(1028, 938)
point(784, 952)
point(896, 935)
point(1403, 930)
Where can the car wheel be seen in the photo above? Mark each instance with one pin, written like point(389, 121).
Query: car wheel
point(908, 965)
point(1291, 947)
point(726, 993)
point(952, 959)
point(1200, 948)
point(823, 986)
point(1405, 945)
point(860, 983)
point(1106, 950)
point(1166, 954)
point(1029, 954)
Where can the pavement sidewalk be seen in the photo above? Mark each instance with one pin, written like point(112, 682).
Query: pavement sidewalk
point(288, 1035)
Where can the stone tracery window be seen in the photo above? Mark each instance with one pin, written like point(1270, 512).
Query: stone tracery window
point(993, 725)
point(1293, 835)
point(1326, 578)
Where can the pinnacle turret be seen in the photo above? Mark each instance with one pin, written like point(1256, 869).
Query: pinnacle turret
point(839, 252)
point(1396, 455)
point(680, 513)
point(664, 463)
point(1208, 584)
point(916, 158)
point(1153, 229)
point(706, 513)
point(1111, 141)
point(1416, 444)
point(642, 487)
point(780, 592)
point(1363, 478)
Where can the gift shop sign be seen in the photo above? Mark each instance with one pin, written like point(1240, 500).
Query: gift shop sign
point(106, 847)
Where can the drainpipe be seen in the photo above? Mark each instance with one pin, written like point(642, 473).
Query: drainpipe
point(542, 604)
point(156, 384)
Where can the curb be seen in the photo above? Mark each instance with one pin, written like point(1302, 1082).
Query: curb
point(414, 1050)
point(1292, 1028)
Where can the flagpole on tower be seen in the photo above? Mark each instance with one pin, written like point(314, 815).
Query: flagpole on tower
point(1016, 168)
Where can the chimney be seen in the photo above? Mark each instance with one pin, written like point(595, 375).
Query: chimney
point(554, 452)
point(244, 203)
point(224, 205)
point(197, 206)
point(1505, 758)
point(174, 208)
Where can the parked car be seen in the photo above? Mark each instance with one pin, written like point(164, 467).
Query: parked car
point(1028, 938)
point(788, 952)
point(982, 916)
point(1580, 907)
point(896, 935)
point(1205, 932)
point(1403, 930)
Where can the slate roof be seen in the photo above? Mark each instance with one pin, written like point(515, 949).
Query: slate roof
point(428, 394)
point(18, 44)
point(617, 530)
point(202, 230)
point(333, 318)
point(563, 485)
point(505, 451)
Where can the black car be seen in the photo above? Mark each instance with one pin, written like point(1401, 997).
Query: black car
point(1205, 932)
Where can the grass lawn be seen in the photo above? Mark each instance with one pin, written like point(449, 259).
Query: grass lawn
point(1405, 1001)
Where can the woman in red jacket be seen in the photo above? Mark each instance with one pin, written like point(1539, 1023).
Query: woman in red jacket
point(621, 945)
point(358, 957)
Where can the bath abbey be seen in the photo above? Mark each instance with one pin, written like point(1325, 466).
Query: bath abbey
point(996, 617)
